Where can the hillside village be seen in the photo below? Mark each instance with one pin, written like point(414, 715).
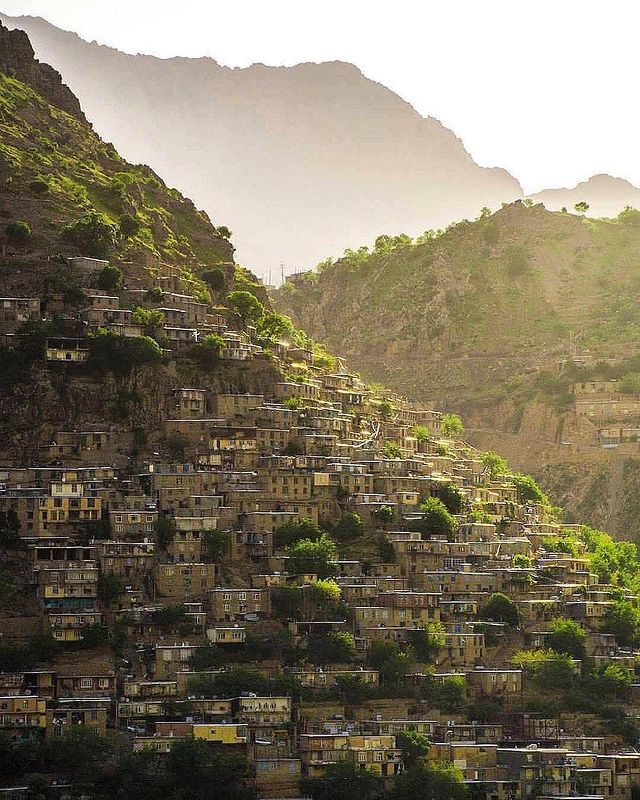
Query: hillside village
point(230, 568)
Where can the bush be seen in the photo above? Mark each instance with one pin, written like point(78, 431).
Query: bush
point(122, 354)
point(18, 232)
point(451, 425)
point(110, 278)
point(94, 235)
point(436, 519)
point(128, 226)
point(500, 608)
point(207, 350)
point(568, 637)
point(215, 278)
point(39, 186)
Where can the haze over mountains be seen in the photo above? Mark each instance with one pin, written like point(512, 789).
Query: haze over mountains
point(300, 162)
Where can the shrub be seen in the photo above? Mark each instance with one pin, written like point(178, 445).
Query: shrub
point(110, 278)
point(500, 608)
point(215, 278)
point(39, 186)
point(436, 519)
point(18, 232)
point(313, 557)
point(94, 235)
point(128, 226)
point(568, 637)
point(451, 425)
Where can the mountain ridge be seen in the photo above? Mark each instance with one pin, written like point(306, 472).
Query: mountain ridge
point(314, 148)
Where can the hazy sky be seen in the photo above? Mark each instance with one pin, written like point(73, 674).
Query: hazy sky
point(547, 89)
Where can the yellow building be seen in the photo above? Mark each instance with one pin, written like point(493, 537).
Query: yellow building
point(20, 715)
point(222, 733)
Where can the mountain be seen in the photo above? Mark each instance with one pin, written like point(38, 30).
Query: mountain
point(606, 196)
point(501, 320)
point(299, 161)
point(55, 170)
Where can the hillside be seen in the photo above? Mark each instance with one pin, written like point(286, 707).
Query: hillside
point(231, 570)
point(294, 159)
point(55, 169)
point(496, 319)
point(606, 196)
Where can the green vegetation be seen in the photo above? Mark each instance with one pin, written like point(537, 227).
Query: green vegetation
point(567, 637)
point(18, 232)
point(313, 556)
point(451, 425)
point(113, 208)
point(436, 519)
point(500, 608)
point(496, 465)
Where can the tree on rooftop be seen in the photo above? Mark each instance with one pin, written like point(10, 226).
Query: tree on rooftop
point(567, 636)
point(250, 310)
point(500, 608)
point(451, 425)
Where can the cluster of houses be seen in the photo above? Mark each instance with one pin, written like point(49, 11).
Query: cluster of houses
point(315, 445)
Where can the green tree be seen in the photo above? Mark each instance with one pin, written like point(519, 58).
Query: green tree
point(414, 746)
point(122, 354)
point(165, 529)
point(110, 589)
point(128, 226)
point(495, 464)
point(421, 433)
point(451, 425)
point(567, 636)
point(93, 234)
point(216, 544)
point(294, 530)
point(385, 515)
point(349, 527)
point(392, 450)
point(18, 232)
point(452, 497)
point(386, 408)
point(622, 619)
point(500, 608)
point(335, 647)
point(342, 781)
point(170, 617)
point(313, 557)
point(429, 781)
point(427, 641)
point(520, 561)
point(110, 278)
point(215, 278)
point(9, 529)
point(250, 310)
point(207, 350)
point(436, 519)
point(529, 491)
point(582, 207)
